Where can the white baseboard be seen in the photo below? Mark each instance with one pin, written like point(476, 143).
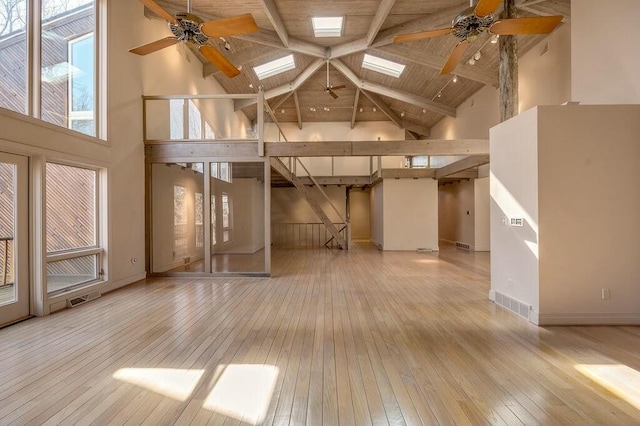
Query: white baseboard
point(589, 319)
point(123, 282)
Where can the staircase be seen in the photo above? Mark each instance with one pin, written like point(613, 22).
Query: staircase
point(280, 167)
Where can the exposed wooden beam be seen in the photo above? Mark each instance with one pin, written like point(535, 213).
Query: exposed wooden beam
point(395, 118)
point(355, 108)
point(409, 135)
point(466, 174)
point(392, 93)
point(433, 21)
point(421, 173)
point(422, 57)
point(337, 180)
point(295, 99)
point(459, 166)
point(240, 58)
point(375, 148)
point(191, 151)
point(271, 10)
point(285, 88)
point(416, 128)
point(282, 100)
point(381, 15)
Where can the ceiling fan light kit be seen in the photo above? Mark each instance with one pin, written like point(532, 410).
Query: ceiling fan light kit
point(469, 25)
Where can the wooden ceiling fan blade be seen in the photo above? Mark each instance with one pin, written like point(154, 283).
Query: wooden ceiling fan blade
point(486, 7)
point(455, 57)
point(159, 10)
point(341, 86)
point(216, 58)
point(241, 24)
point(535, 25)
point(422, 35)
point(333, 94)
point(154, 46)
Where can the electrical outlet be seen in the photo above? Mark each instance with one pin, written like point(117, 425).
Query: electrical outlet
point(606, 294)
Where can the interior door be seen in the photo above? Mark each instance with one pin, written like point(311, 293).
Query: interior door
point(14, 214)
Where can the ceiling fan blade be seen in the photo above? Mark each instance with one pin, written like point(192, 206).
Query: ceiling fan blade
point(422, 35)
point(535, 25)
point(159, 10)
point(486, 7)
point(455, 57)
point(241, 24)
point(219, 61)
point(333, 94)
point(341, 86)
point(155, 46)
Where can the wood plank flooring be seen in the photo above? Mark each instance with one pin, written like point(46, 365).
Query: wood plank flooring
point(351, 338)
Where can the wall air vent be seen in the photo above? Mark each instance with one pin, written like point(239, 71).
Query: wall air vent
point(463, 246)
point(513, 305)
point(79, 300)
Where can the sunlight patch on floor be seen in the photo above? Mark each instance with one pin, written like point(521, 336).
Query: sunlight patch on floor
point(171, 382)
point(619, 379)
point(243, 391)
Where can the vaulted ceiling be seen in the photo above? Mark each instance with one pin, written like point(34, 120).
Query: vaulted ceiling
point(416, 101)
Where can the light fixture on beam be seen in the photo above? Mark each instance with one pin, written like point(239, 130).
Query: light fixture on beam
point(455, 79)
point(494, 38)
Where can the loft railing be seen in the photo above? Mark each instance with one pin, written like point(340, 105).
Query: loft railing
point(6, 254)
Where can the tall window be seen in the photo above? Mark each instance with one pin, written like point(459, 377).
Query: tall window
point(13, 55)
point(195, 121)
point(73, 250)
point(199, 220)
point(81, 85)
point(226, 218)
point(213, 220)
point(180, 238)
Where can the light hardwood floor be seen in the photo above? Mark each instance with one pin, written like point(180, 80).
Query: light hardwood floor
point(360, 337)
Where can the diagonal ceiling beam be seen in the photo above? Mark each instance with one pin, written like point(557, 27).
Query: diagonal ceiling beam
point(383, 107)
point(384, 8)
point(282, 100)
point(285, 88)
point(295, 99)
point(464, 164)
point(392, 93)
point(440, 19)
point(436, 62)
point(241, 58)
point(416, 128)
point(272, 13)
point(355, 108)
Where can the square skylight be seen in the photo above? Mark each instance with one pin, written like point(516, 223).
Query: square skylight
point(384, 66)
point(277, 66)
point(327, 26)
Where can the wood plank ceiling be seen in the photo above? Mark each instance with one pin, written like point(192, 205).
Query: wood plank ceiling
point(411, 101)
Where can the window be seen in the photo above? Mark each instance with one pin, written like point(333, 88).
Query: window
point(176, 119)
point(225, 172)
point(68, 59)
point(14, 56)
point(195, 121)
point(226, 218)
point(327, 26)
point(180, 240)
point(213, 220)
point(383, 66)
point(214, 170)
point(199, 220)
point(74, 254)
point(208, 131)
point(275, 67)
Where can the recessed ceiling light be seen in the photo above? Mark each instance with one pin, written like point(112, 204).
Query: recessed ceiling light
point(275, 67)
point(327, 26)
point(384, 66)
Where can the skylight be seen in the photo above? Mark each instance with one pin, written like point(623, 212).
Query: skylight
point(384, 66)
point(275, 67)
point(327, 26)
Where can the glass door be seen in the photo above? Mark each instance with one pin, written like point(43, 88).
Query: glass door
point(14, 214)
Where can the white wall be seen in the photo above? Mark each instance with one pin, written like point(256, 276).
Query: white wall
point(482, 217)
point(410, 214)
point(288, 206)
point(589, 201)
point(514, 194)
point(604, 51)
point(377, 215)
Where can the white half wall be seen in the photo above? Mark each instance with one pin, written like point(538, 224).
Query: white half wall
point(410, 214)
point(482, 217)
point(604, 51)
point(377, 215)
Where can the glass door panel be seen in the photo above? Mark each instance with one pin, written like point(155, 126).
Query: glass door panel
point(14, 280)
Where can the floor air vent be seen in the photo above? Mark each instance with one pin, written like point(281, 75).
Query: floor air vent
point(463, 246)
point(75, 301)
point(513, 305)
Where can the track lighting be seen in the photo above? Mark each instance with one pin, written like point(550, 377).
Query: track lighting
point(477, 56)
point(282, 111)
point(439, 94)
point(402, 114)
point(226, 44)
point(455, 79)
point(361, 109)
point(471, 61)
point(375, 109)
point(494, 38)
point(424, 110)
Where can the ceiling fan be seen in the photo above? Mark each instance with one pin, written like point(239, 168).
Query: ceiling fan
point(188, 28)
point(331, 89)
point(471, 22)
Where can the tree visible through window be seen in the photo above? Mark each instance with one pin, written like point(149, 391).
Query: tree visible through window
point(226, 218)
point(199, 219)
point(180, 240)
